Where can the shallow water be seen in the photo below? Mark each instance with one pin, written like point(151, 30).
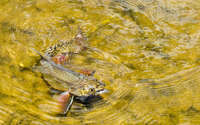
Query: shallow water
point(148, 56)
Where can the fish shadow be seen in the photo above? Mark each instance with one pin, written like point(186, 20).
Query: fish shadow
point(88, 101)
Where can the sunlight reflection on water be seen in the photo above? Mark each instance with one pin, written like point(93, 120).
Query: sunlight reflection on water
point(147, 52)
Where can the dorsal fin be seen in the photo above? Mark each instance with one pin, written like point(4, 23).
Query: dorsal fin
point(43, 57)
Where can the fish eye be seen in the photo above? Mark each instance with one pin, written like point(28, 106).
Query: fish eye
point(91, 90)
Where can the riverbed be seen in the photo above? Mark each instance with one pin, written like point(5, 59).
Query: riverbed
point(148, 56)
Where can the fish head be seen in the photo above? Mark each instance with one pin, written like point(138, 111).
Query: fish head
point(91, 87)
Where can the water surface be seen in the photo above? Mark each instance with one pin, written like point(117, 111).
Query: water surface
point(148, 56)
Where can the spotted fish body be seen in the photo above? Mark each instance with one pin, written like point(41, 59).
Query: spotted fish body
point(78, 84)
point(73, 84)
point(74, 46)
point(63, 78)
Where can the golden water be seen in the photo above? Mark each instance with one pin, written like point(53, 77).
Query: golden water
point(148, 56)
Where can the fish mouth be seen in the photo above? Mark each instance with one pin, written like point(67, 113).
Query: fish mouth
point(101, 91)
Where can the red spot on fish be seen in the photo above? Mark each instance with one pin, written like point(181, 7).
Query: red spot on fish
point(87, 72)
point(60, 59)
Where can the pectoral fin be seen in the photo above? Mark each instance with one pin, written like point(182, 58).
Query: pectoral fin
point(65, 101)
